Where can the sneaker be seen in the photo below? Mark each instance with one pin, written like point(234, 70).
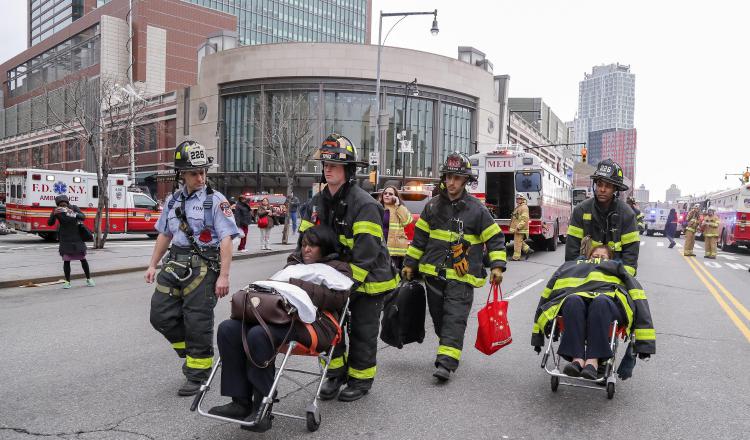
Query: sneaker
point(90, 282)
point(66, 285)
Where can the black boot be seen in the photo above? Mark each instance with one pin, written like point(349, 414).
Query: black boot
point(442, 374)
point(189, 388)
point(238, 409)
point(330, 387)
point(350, 394)
point(263, 424)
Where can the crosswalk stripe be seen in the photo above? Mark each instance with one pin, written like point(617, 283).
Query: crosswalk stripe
point(697, 246)
point(659, 244)
point(679, 245)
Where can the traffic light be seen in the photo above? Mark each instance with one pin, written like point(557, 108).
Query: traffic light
point(584, 152)
point(746, 176)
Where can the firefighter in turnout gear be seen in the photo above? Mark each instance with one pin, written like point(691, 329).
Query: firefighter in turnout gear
point(693, 217)
point(710, 227)
point(638, 214)
point(199, 224)
point(519, 227)
point(357, 219)
point(605, 219)
point(450, 240)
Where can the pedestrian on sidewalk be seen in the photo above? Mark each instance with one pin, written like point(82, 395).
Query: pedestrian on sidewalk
point(265, 223)
point(710, 227)
point(293, 208)
point(693, 218)
point(395, 218)
point(199, 224)
point(243, 216)
point(72, 246)
point(671, 227)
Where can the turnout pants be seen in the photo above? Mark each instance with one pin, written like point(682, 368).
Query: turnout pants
point(689, 243)
point(362, 328)
point(710, 243)
point(519, 245)
point(449, 302)
point(183, 311)
point(587, 323)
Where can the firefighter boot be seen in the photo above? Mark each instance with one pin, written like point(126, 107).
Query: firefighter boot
point(442, 374)
point(350, 394)
point(330, 388)
point(189, 388)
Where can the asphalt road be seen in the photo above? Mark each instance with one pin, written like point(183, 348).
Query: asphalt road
point(86, 364)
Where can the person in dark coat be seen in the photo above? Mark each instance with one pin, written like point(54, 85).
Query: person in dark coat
point(670, 229)
point(247, 383)
point(72, 247)
point(243, 216)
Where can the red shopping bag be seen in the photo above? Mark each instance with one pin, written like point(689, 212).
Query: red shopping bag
point(493, 332)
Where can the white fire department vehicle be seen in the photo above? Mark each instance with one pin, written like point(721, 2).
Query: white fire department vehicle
point(31, 193)
point(509, 170)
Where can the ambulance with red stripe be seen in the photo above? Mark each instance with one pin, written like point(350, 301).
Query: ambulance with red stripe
point(31, 194)
point(509, 170)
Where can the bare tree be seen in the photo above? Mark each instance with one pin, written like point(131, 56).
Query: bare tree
point(95, 112)
point(287, 127)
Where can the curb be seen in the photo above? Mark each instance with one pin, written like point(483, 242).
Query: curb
point(32, 282)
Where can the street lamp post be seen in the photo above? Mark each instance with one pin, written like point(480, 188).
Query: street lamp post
point(404, 131)
point(381, 41)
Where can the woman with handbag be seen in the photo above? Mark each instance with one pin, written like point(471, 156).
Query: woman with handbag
point(69, 230)
point(396, 217)
point(247, 376)
point(265, 223)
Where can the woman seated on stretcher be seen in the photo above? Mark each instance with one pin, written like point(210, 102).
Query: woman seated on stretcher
point(589, 295)
point(244, 380)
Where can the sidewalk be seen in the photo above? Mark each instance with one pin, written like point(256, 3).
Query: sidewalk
point(28, 260)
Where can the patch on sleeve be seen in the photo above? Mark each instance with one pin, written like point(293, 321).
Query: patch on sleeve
point(224, 206)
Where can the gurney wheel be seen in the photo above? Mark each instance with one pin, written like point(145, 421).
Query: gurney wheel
point(554, 382)
point(312, 424)
point(610, 390)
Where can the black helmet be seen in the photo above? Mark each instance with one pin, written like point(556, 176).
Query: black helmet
point(610, 171)
point(338, 149)
point(191, 155)
point(457, 163)
point(62, 198)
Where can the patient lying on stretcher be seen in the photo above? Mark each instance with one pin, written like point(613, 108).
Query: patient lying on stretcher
point(590, 295)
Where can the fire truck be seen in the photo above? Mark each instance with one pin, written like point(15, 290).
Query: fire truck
point(509, 170)
point(31, 193)
point(733, 209)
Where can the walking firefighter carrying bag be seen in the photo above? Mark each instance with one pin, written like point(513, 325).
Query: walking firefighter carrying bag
point(494, 331)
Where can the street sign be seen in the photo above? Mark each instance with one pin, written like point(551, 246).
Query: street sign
point(374, 159)
point(405, 147)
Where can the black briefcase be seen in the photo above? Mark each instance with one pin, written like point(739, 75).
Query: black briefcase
point(404, 315)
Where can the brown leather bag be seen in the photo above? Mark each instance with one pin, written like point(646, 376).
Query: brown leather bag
point(258, 305)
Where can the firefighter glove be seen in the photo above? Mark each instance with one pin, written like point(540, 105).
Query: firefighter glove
point(408, 273)
point(496, 275)
point(460, 263)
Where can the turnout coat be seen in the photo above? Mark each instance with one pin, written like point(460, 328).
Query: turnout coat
point(591, 278)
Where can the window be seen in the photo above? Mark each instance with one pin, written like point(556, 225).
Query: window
point(95, 191)
point(528, 181)
point(143, 201)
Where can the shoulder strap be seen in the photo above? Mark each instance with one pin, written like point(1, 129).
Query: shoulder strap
point(170, 205)
point(208, 208)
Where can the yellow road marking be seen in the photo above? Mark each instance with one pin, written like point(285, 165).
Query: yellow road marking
point(740, 307)
point(728, 310)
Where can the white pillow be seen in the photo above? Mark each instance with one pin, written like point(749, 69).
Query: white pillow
point(318, 273)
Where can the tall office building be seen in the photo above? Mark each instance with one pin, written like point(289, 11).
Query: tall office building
point(673, 193)
point(278, 21)
point(606, 101)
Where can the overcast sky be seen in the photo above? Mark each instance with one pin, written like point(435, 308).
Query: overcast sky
point(690, 59)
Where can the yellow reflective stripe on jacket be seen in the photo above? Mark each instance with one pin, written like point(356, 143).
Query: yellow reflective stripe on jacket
point(617, 247)
point(637, 294)
point(454, 353)
point(305, 225)
point(368, 373)
point(451, 274)
point(630, 270)
point(563, 283)
point(498, 255)
point(414, 253)
point(690, 228)
point(358, 273)
point(443, 235)
point(546, 292)
point(396, 251)
point(199, 363)
point(375, 287)
point(423, 225)
point(587, 216)
point(630, 237)
point(575, 231)
point(365, 227)
point(348, 242)
point(489, 232)
point(645, 334)
point(536, 328)
point(178, 345)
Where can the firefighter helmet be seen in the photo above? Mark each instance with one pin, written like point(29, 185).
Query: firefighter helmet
point(610, 171)
point(458, 163)
point(521, 196)
point(338, 149)
point(190, 155)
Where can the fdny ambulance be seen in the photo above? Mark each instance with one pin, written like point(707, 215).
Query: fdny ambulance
point(31, 193)
point(507, 171)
